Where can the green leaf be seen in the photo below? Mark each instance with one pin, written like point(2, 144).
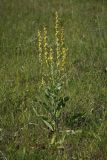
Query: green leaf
point(53, 139)
point(48, 125)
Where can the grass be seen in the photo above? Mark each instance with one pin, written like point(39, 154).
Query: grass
point(22, 136)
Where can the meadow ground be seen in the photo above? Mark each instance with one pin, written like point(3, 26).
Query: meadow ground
point(22, 136)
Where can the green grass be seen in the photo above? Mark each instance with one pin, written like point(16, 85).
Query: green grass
point(22, 136)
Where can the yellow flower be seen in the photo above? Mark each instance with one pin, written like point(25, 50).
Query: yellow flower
point(40, 46)
point(57, 38)
point(45, 44)
point(62, 37)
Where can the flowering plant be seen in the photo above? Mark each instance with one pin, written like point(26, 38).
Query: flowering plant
point(52, 68)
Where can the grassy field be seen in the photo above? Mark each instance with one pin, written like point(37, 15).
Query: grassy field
point(22, 135)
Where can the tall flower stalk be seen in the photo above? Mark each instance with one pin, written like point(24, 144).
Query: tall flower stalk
point(57, 32)
point(45, 44)
point(40, 47)
point(52, 58)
